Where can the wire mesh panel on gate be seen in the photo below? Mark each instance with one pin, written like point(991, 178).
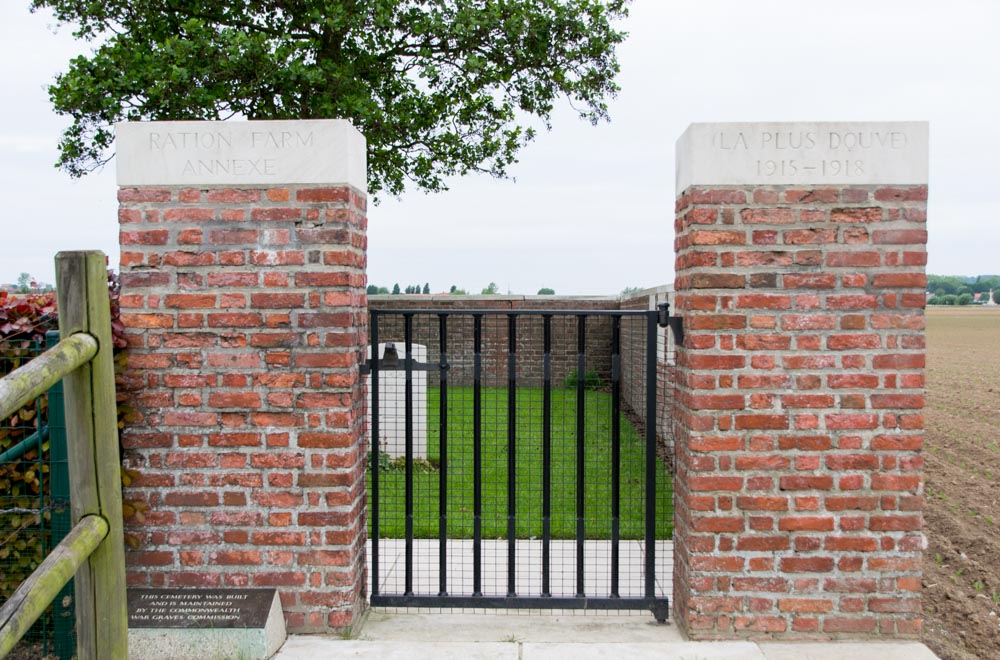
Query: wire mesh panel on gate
point(526, 470)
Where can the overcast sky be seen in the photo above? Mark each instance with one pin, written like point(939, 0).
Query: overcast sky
point(591, 209)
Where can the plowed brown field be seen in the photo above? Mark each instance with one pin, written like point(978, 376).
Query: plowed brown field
point(962, 452)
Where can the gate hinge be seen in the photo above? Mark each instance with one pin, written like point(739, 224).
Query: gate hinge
point(675, 323)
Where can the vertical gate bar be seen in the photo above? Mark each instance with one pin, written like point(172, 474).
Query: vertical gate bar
point(443, 456)
point(477, 459)
point(581, 363)
point(512, 455)
point(408, 411)
point(616, 460)
point(651, 330)
point(374, 440)
point(546, 450)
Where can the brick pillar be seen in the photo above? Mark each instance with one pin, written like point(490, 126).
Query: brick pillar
point(243, 294)
point(800, 277)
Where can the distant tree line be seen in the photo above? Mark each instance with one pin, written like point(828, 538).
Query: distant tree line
point(959, 290)
point(952, 299)
point(374, 289)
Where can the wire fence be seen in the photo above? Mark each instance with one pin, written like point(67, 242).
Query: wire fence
point(34, 504)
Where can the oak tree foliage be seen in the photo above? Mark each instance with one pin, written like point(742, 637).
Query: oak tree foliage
point(438, 87)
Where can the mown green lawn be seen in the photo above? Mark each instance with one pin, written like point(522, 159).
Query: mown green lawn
point(597, 470)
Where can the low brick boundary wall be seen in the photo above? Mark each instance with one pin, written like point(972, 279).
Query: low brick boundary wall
point(494, 329)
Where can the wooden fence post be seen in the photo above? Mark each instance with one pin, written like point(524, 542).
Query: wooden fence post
point(92, 449)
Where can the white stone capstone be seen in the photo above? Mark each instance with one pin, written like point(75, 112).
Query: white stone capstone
point(807, 153)
point(240, 153)
point(392, 403)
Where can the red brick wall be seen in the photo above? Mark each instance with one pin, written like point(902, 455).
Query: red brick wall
point(246, 319)
point(800, 396)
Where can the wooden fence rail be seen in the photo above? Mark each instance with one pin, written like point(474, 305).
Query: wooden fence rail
point(94, 550)
point(35, 594)
point(35, 378)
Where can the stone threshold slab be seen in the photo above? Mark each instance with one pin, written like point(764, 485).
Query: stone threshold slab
point(305, 647)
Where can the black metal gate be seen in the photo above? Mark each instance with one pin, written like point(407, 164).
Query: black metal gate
point(514, 460)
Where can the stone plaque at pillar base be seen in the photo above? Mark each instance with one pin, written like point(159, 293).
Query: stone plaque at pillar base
point(195, 624)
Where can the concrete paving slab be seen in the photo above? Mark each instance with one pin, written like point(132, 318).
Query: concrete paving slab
point(314, 647)
point(842, 650)
point(647, 651)
point(574, 637)
point(505, 628)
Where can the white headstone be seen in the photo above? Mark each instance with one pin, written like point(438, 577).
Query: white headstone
point(240, 153)
point(807, 153)
point(392, 403)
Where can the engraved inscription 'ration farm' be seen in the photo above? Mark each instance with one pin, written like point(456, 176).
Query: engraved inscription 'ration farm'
point(240, 153)
point(221, 140)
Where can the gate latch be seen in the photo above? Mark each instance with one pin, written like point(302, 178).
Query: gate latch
point(675, 323)
point(390, 362)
